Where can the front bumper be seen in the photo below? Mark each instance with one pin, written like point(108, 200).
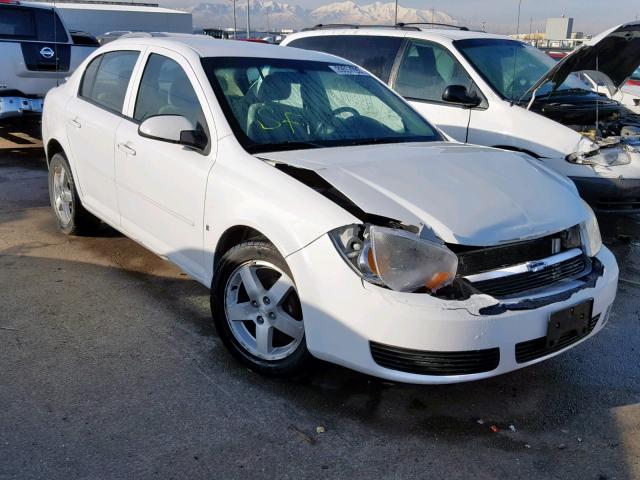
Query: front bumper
point(345, 317)
point(610, 195)
point(18, 106)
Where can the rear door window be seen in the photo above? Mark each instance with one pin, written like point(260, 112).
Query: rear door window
point(35, 24)
point(374, 53)
point(106, 79)
point(427, 69)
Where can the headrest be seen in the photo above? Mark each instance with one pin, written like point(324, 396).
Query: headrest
point(276, 86)
point(180, 93)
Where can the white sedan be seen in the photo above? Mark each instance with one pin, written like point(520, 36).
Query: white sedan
point(329, 219)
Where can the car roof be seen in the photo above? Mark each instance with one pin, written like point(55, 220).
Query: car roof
point(42, 6)
point(206, 46)
point(410, 31)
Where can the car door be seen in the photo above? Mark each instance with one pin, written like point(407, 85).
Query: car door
point(92, 119)
point(161, 186)
point(425, 70)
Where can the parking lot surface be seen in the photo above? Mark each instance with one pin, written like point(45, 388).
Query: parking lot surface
point(111, 369)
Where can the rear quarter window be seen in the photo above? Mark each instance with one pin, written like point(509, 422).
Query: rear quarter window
point(376, 54)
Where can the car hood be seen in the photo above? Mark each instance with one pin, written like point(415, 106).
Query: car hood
point(615, 53)
point(467, 195)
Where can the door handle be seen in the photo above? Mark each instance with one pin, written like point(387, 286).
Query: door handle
point(126, 149)
point(75, 123)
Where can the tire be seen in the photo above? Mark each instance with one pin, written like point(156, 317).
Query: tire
point(231, 302)
point(71, 216)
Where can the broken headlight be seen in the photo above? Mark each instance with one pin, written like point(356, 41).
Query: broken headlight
point(394, 258)
point(611, 155)
point(590, 232)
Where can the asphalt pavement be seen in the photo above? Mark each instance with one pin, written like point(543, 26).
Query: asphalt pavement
point(110, 369)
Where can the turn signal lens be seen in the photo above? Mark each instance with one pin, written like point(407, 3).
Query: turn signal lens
point(437, 280)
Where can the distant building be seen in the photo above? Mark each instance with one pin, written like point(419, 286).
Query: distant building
point(98, 18)
point(559, 28)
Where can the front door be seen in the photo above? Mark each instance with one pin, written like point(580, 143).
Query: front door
point(425, 70)
point(161, 186)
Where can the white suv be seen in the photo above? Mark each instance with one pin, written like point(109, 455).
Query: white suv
point(496, 91)
point(327, 216)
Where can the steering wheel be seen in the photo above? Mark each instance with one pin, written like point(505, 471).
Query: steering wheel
point(345, 109)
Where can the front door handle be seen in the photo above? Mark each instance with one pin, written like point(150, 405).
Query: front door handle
point(75, 123)
point(126, 149)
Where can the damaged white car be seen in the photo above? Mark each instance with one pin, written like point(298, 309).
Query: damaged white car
point(329, 219)
point(492, 90)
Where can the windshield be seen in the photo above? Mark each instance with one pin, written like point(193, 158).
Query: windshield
point(512, 67)
point(636, 75)
point(277, 104)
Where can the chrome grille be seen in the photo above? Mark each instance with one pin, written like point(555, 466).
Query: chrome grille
point(522, 282)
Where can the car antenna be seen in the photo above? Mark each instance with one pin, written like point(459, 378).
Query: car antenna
point(597, 101)
point(55, 43)
point(515, 54)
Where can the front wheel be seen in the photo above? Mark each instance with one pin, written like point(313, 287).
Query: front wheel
point(257, 311)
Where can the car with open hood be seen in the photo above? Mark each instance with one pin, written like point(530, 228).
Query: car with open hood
point(496, 91)
point(628, 94)
point(327, 217)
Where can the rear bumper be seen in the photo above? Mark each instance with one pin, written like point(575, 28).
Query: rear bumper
point(18, 106)
point(610, 195)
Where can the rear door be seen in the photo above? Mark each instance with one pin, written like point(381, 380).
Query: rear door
point(161, 185)
point(425, 71)
point(92, 119)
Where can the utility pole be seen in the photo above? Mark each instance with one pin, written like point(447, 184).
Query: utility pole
point(235, 23)
point(395, 22)
point(248, 24)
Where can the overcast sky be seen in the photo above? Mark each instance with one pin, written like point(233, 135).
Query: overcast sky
point(591, 16)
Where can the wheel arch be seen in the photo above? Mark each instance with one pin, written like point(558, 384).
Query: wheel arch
point(233, 236)
point(53, 147)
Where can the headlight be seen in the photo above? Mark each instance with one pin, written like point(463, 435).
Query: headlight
point(610, 155)
point(397, 259)
point(591, 238)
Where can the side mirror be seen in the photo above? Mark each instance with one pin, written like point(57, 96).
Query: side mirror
point(459, 94)
point(173, 129)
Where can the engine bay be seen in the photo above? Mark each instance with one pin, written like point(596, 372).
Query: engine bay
point(611, 131)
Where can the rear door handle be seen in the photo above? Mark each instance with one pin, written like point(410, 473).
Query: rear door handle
point(75, 123)
point(126, 149)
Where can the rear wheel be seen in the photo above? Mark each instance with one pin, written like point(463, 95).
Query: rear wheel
point(72, 217)
point(257, 311)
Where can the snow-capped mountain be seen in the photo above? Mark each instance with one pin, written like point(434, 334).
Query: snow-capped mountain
point(285, 15)
point(374, 13)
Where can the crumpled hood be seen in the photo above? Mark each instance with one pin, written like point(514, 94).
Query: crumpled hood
point(467, 195)
point(615, 53)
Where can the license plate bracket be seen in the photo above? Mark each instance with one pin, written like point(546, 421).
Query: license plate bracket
point(572, 320)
